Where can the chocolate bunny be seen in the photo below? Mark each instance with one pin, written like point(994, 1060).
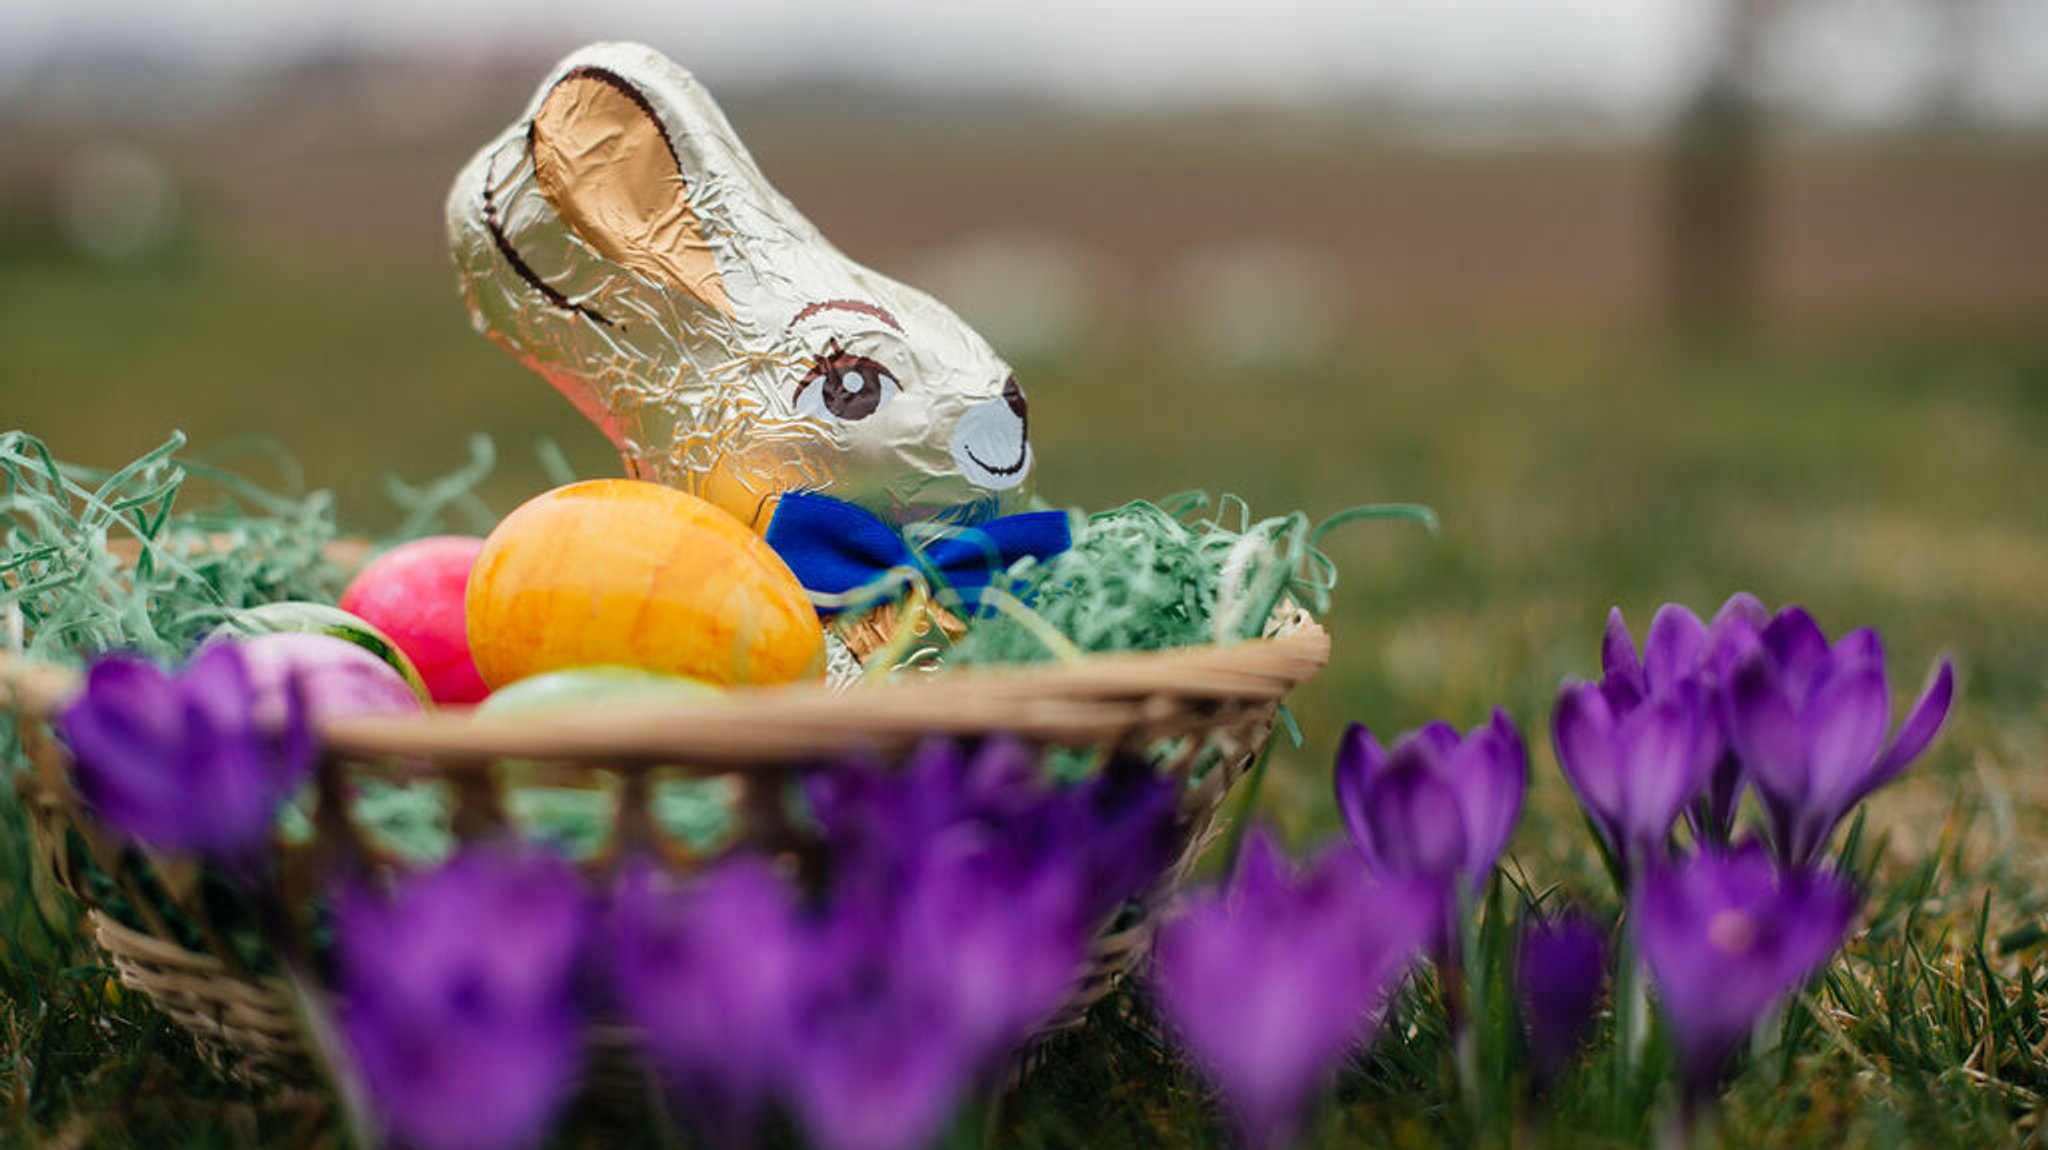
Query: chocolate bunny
point(620, 241)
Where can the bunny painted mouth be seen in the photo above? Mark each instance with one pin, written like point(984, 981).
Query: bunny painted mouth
point(1023, 457)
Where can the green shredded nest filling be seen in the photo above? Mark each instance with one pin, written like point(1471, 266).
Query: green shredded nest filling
point(1146, 576)
point(66, 593)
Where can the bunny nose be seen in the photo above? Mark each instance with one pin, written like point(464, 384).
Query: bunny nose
point(991, 444)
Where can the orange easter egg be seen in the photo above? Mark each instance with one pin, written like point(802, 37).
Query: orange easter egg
point(623, 572)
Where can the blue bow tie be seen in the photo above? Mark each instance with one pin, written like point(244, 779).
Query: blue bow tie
point(835, 547)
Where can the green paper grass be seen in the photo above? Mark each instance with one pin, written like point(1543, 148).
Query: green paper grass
point(65, 595)
point(1147, 577)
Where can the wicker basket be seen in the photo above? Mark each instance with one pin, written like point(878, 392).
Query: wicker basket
point(1203, 714)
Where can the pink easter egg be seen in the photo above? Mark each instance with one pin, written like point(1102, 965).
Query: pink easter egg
point(414, 594)
point(339, 678)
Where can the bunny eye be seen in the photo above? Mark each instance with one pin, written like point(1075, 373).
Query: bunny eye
point(844, 386)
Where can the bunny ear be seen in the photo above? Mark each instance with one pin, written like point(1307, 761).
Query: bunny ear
point(609, 169)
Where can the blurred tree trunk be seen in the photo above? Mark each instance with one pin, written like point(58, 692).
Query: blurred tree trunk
point(1713, 211)
point(1958, 24)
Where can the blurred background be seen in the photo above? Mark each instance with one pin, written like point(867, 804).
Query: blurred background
point(1650, 299)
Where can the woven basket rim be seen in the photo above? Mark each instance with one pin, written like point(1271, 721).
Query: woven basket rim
point(1089, 699)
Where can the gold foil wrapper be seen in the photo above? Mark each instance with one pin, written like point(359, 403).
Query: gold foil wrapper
point(621, 242)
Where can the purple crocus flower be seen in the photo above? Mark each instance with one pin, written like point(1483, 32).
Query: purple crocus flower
point(1122, 829)
point(179, 762)
point(1439, 805)
point(881, 817)
point(1726, 937)
point(1004, 946)
point(876, 1058)
point(1635, 770)
point(457, 997)
point(1270, 982)
point(1680, 656)
point(1678, 648)
point(1559, 973)
point(1111, 836)
point(903, 1003)
point(961, 897)
point(870, 1015)
point(705, 969)
point(1809, 721)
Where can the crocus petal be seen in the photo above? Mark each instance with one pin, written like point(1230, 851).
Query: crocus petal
point(458, 997)
point(1359, 758)
point(1121, 830)
point(1742, 608)
point(1922, 723)
point(1861, 645)
point(1559, 972)
point(707, 961)
point(461, 1083)
point(1268, 993)
point(127, 712)
point(1661, 769)
point(1735, 634)
point(1417, 822)
point(1820, 906)
point(1765, 732)
point(1582, 728)
point(1618, 651)
point(1798, 649)
point(219, 678)
point(1440, 737)
point(868, 1088)
point(1724, 792)
point(128, 742)
point(1000, 779)
point(1844, 724)
point(1002, 953)
point(176, 762)
point(1488, 773)
point(1262, 868)
point(1622, 693)
point(228, 775)
point(1672, 650)
point(1724, 938)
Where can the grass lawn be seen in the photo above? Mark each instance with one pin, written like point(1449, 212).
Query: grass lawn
point(1894, 478)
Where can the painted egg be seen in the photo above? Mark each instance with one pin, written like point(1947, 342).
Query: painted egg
point(339, 678)
point(297, 617)
point(629, 573)
point(580, 687)
point(414, 593)
point(578, 820)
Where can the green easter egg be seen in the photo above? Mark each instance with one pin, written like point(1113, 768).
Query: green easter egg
point(297, 617)
point(576, 820)
point(579, 687)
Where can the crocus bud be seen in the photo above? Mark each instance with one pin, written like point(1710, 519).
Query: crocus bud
point(1439, 805)
point(1559, 974)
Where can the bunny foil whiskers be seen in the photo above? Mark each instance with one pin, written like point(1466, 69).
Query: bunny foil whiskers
point(621, 242)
